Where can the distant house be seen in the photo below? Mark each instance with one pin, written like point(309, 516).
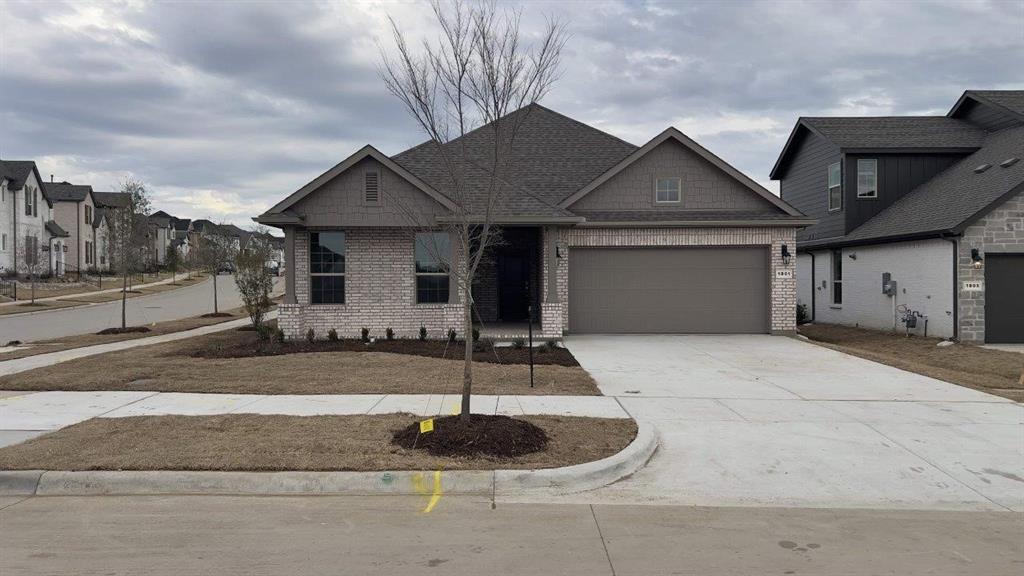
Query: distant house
point(915, 213)
point(106, 204)
point(161, 226)
point(74, 209)
point(26, 220)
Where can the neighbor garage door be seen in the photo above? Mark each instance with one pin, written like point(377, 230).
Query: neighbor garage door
point(668, 290)
point(1004, 305)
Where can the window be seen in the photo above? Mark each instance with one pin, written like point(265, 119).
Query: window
point(88, 215)
point(3, 242)
point(835, 186)
point(28, 200)
point(31, 250)
point(867, 178)
point(327, 267)
point(371, 187)
point(433, 252)
point(88, 252)
point(667, 190)
point(837, 276)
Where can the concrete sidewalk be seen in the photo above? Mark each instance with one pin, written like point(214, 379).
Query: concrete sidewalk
point(8, 367)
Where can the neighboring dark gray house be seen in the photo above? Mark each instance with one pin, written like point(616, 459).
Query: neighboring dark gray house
point(599, 235)
point(935, 204)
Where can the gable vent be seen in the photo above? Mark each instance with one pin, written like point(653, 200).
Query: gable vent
point(982, 168)
point(1009, 162)
point(371, 187)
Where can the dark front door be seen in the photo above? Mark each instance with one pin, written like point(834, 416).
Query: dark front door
point(1004, 306)
point(513, 288)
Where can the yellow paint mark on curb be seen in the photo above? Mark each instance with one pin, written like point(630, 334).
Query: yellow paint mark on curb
point(436, 497)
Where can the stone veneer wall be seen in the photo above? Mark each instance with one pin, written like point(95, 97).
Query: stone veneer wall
point(783, 291)
point(1001, 230)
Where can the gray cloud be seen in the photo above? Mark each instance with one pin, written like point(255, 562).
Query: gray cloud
point(225, 107)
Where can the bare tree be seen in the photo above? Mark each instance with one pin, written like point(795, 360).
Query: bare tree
point(254, 279)
point(475, 74)
point(129, 242)
point(35, 261)
point(214, 251)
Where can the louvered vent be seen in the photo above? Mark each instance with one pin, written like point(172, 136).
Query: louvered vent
point(372, 188)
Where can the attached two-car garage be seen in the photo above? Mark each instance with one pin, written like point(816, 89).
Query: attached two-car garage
point(714, 290)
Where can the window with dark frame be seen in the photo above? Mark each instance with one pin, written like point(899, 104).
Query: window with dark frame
point(433, 252)
point(835, 186)
point(867, 178)
point(667, 190)
point(327, 267)
point(28, 201)
point(837, 276)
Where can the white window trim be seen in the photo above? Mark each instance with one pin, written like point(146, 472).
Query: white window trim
point(837, 256)
point(679, 190)
point(828, 191)
point(311, 274)
point(874, 188)
point(417, 274)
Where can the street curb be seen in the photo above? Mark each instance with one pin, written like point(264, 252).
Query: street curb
point(576, 478)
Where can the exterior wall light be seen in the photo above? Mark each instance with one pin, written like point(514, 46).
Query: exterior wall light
point(976, 259)
point(558, 252)
point(786, 256)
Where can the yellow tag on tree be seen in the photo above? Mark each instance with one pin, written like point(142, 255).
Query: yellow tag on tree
point(427, 426)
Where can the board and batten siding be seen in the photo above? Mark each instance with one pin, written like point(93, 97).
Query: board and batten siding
point(804, 186)
point(898, 174)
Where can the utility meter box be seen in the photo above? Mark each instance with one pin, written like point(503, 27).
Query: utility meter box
point(888, 284)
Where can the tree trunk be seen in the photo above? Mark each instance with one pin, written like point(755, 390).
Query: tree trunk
point(467, 371)
point(33, 277)
point(215, 292)
point(124, 300)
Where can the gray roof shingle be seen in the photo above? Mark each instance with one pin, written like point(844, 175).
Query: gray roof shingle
point(16, 171)
point(66, 192)
point(1012, 100)
point(680, 215)
point(110, 199)
point(897, 132)
point(951, 200)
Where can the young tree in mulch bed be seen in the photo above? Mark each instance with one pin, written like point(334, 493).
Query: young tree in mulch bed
point(488, 435)
point(255, 281)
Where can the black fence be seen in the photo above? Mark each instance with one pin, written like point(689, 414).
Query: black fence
point(9, 289)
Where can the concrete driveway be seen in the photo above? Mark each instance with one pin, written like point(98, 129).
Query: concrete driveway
point(775, 421)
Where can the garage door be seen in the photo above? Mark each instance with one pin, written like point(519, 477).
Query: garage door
point(1004, 306)
point(668, 290)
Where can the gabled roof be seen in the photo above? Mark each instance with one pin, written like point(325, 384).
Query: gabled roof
point(181, 223)
point(67, 192)
point(17, 171)
point(674, 134)
point(1009, 101)
point(110, 199)
point(363, 153)
point(956, 197)
point(883, 133)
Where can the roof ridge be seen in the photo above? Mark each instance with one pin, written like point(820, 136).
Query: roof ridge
point(584, 124)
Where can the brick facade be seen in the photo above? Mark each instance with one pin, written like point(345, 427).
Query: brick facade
point(783, 291)
point(380, 283)
point(1001, 230)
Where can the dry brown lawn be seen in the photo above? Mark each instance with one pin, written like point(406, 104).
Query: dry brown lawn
point(56, 345)
point(993, 371)
point(251, 442)
point(25, 307)
point(169, 368)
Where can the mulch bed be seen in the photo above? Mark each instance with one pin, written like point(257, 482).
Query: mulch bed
point(484, 351)
point(128, 330)
point(484, 435)
point(216, 315)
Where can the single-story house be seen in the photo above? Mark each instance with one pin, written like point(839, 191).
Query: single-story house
point(598, 236)
point(920, 215)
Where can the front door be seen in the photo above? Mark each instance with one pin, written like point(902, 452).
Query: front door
point(513, 288)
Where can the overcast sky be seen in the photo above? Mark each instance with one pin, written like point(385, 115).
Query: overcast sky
point(223, 108)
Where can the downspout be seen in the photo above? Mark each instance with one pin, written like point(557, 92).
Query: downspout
point(78, 239)
point(955, 241)
point(15, 204)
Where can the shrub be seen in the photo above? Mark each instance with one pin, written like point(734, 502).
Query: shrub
point(423, 332)
point(476, 335)
point(364, 334)
point(263, 332)
point(549, 345)
point(310, 335)
point(332, 335)
point(279, 335)
point(481, 345)
point(801, 314)
point(518, 343)
point(451, 334)
point(389, 333)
